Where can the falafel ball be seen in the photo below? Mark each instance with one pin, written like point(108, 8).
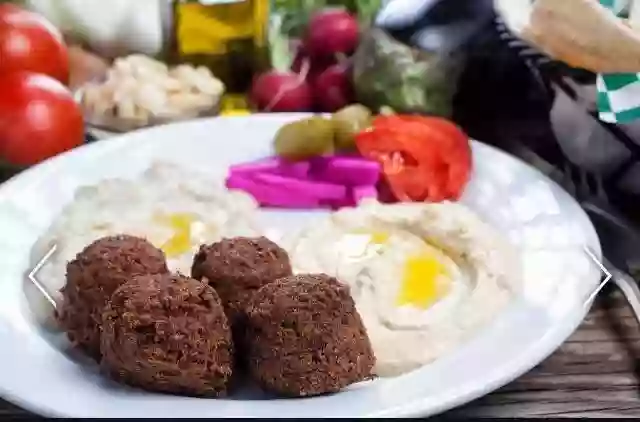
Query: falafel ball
point(167, 333)
point(305, 337)
point(237, 267)
point(94, 274)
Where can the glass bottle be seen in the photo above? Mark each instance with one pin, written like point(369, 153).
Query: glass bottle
point(227, 36)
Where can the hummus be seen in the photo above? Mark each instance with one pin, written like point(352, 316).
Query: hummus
point(176, 209)
point(424, 276)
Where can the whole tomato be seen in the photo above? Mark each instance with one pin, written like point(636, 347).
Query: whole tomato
point(38, 118)
point(30, 42)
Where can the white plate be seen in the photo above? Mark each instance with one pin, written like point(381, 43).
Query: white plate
point(532, 211)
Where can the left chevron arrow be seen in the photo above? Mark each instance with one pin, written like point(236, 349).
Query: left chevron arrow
point(32, 276)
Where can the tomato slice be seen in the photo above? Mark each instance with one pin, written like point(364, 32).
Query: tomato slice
point(423, 158)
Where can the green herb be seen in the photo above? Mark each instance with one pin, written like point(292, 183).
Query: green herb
point(389, 73)
point(367, 10)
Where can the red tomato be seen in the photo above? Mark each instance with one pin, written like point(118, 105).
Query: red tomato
point(423, 158)
point(38, 118)
point(31, 43)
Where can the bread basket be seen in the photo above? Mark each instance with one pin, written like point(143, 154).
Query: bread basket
point(557, 56)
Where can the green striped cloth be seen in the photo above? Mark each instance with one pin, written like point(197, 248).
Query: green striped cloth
point(618, 94)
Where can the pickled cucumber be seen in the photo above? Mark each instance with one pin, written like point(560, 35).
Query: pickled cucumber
point(348, 121)
point(305, 138)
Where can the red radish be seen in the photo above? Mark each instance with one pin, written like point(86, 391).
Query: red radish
point(333, 88)
point(332, 33)
point(385, 195)
point(300, 57)
point(316, 65)
point(282, 91)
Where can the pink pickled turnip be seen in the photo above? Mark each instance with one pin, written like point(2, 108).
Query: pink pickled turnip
point(345, 170)
point(332, 89)
point(282, 91)
point(364, 192)
point(331, 33)
point(268, 195)
point(339, 203)
point(302, 187)
point(274, 165)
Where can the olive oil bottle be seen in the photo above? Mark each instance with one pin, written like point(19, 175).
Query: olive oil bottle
point(227, 36)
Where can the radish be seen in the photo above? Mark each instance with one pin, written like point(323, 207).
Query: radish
point(298, 59)
point(316, 65)
point(282, 91)
point(331, 33)
point(333, 89)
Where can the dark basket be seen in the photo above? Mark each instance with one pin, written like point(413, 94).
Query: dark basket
point(506, 97)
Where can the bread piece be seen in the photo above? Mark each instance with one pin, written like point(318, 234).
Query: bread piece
point(581, 33)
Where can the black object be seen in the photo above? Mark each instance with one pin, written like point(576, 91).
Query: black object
point(619, 238)
point(557, 74)
point(499, 99)
point(439, 25)
point(507, 90)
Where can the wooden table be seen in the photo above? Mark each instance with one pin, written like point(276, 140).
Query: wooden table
point(594, 374)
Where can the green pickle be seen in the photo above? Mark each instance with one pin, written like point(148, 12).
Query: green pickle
point(305, 139)
point(348, 121)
